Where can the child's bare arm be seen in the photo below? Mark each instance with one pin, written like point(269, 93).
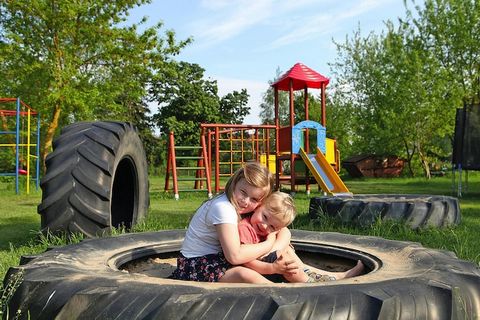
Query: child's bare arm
point(280, 266)
point(260, 266)
point(237, 253)
point(283, 240)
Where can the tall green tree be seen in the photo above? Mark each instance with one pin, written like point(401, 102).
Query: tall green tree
point(314, 107)
point(425, 107)
point(267, 107)
point(401, 89)
point(76, 60)
point(340, 121)
point(360, 90)
point(188, 99)
point(233, 107)
point(450, 30)
point(185, 102)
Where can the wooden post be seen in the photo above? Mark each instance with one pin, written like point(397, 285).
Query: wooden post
point(324, 114)
point(292, 156)
point(207, 169)
point(277, 141)
point(173, 165)
point(307, 141)
point(217, 160)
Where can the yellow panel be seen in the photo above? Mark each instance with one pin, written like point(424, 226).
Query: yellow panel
point(271, 161)
point(330, 146)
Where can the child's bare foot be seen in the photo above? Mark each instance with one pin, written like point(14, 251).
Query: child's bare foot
point(355, 271)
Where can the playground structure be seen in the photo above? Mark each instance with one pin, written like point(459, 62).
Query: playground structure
point(466, 145)
point(284, 150)
point(21, 140)
point(187, 153)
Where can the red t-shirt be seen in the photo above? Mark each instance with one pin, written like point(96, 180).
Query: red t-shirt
point(247, 232)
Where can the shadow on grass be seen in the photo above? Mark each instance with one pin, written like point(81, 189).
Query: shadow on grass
point(18, 231)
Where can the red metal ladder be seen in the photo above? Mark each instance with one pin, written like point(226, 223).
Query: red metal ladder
point(202, 171)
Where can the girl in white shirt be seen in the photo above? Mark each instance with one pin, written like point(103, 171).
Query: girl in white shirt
point(211, 250)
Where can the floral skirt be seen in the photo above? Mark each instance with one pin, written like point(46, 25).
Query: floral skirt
point(208, 268)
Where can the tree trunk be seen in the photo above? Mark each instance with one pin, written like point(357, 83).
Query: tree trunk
point(47, 147)
point(425, 164)
point(409, 158)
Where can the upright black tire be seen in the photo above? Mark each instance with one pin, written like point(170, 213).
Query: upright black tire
point(96, 177)
point(86, 281)
point(415, 210)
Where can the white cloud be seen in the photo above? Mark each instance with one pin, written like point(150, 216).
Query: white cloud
point(227, 21)
point(362, 7)
point(327, 22)
point(215, 4)
point(223, 20)
point(314, 26)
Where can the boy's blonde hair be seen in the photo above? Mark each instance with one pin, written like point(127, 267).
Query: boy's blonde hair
point(280, 205)
point(255, 174)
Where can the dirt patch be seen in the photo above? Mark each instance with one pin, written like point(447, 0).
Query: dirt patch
point(162, 266)
point(153, 266)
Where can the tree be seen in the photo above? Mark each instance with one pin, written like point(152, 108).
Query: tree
point(360, 88)
point(421, 85)
point(450, 30)
point(314, 107)
point(340, 121)
point(402, 97)
point(188, 99)
point(233, 107)
point(267, 113)
point(70, 60)
point(185, 102)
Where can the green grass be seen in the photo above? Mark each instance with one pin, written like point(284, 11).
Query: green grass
point(166, 213)
point(19, 221)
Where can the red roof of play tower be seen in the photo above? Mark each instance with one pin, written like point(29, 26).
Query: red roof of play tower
point(302, 77)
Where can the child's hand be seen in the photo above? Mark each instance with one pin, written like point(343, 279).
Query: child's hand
point(283, 266)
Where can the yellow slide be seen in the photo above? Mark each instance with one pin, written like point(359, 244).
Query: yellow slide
point(323, 172)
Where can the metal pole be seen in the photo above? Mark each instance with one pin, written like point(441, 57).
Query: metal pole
point(28, 151)
point(37, 173)
point(17, 142)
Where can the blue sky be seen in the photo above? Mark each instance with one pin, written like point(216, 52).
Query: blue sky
point(242, 43)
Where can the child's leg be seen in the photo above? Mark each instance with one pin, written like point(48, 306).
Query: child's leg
point(301, 276)
point(241, 274)
point(298, 276)
point(355, 271)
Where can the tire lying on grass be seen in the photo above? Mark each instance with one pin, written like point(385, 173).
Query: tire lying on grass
point(89, 281)
point(415, 210)
point(96, 178)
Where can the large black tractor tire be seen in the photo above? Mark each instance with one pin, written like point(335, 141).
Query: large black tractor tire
point(96, 178)
point(88, 281)
point(417, 211)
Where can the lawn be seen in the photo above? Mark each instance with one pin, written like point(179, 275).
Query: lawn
point(19, 221)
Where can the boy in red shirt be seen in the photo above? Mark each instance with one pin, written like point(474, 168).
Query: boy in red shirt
point(274, 215)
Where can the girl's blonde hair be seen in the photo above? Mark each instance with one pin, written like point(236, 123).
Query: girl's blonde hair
point(255, 174)
point(280, 204)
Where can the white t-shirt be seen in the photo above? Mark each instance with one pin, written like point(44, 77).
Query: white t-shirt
point(202, 238)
